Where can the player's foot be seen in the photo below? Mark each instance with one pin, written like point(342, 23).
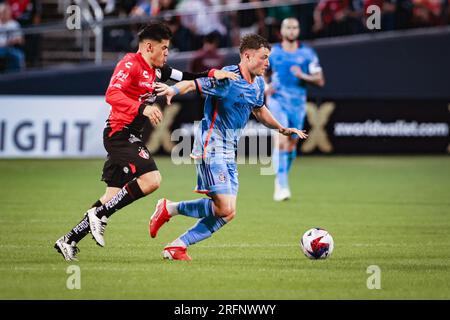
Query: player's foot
point(282, 194)
point(97, 226)
point(159, 217)
point(68, 251)
point(176, 253)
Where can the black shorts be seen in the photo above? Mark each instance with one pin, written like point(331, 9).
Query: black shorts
point(128, 158)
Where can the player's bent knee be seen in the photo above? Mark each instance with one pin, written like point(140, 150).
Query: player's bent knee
point(230, 216)
point(149, 182)
point(225, 211)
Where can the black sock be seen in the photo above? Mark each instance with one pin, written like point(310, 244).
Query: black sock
point(82, 228)
point(129, 193)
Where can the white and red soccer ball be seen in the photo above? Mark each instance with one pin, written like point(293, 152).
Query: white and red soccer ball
point(317, 243)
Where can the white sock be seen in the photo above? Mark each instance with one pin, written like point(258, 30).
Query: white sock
point(178, 243)
point(172, 208)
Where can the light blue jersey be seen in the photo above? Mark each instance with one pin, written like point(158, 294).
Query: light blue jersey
point(228, 106)
point(227, 110)
point(288, 88)
point(288, 102)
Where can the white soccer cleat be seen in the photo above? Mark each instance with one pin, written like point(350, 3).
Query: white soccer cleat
point(68, 251)
point(97, 226)
point(281, 194)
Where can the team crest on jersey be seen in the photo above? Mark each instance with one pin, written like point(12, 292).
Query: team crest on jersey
point(300, 60)
point(222, 177)
point(144, 154)
point(212, 82)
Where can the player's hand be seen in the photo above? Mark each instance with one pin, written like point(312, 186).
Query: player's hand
point(290, 131)
point(296, 71)
point(163, 89)
point(153, 114)
point(223, 74)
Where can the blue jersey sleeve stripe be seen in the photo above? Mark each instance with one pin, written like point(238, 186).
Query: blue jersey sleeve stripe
point(211, 127)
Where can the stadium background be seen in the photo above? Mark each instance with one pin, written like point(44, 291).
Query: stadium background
point(387, 93)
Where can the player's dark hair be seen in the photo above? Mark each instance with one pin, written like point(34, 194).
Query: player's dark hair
point(157, 31)
point(253, 41)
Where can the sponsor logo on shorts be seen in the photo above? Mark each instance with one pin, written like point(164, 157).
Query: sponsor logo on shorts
point(133, 139)
point(126, 170)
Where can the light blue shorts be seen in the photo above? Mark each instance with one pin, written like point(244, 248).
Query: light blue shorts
point(288, 116)
point(217, 177)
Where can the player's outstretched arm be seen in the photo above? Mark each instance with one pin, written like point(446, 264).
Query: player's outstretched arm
point(169, 73)
point(316, 78)
point(266, 118)
point(181, 87)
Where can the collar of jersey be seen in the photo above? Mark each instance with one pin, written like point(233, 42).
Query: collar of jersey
point(142, 60)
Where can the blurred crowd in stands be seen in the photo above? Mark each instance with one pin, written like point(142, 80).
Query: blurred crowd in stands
point(17, 50)
point(321, 18)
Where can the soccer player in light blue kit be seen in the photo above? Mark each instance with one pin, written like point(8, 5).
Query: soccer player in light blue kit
point(292, 65)
point(228, 106)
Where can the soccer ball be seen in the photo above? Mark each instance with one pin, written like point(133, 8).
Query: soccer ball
point(317, 243)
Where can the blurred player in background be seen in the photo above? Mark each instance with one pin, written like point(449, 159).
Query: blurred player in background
point(228, 106)
point(292, 66)
point(130, 172)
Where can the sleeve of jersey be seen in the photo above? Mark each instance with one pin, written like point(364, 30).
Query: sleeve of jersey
point(212, 86)
point(314, 65)
point(261, 98)
point(169, 73)
point(119, 84)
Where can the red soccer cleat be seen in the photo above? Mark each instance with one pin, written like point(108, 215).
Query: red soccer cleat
point(159, 217)
point(176, 253)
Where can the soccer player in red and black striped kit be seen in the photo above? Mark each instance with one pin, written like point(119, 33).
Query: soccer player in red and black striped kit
point(130, 172)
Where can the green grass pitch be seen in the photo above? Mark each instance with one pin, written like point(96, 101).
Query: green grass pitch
point(393, 212)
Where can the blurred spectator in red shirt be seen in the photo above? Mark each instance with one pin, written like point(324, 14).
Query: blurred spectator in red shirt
point(337, 17)
point(208, 56)
point(27, 13)
point(164, 5)
point(427, 13)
